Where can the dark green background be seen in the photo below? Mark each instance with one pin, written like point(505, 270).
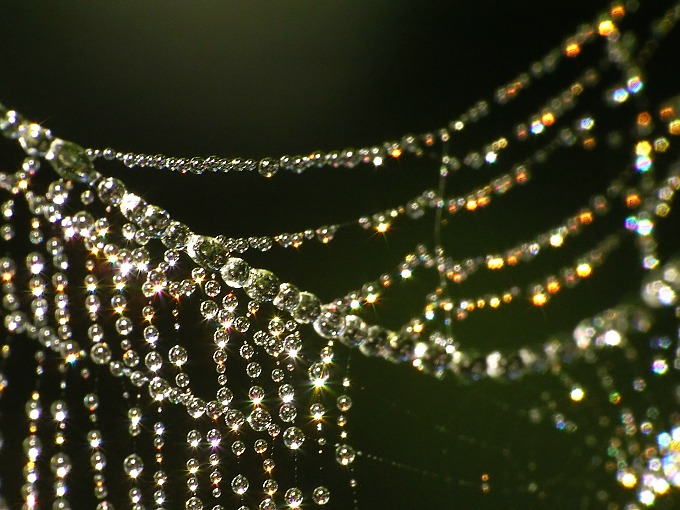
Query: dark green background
point(270, 78)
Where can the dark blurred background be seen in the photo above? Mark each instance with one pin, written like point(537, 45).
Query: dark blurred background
point(267, 78)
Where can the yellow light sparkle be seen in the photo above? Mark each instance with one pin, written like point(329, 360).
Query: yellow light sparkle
point(643, 148)
point(572, 50)
point(585, 217)
point(606, 27)
point(483, 201)
point(553, 286)
point(629, 480)
point(556, 240)
point(577, 394)
point(674, 127)
point(382, 227)
point(539, 299)
point(584, 270)
point(618, 11)
point(633, 199)
point(454, 276)
point(495, 262)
